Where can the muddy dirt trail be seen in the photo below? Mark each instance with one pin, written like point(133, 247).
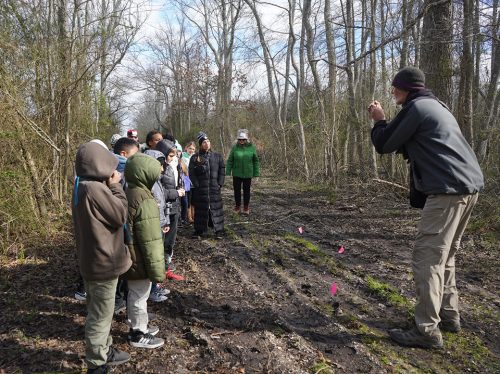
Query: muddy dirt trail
point(259, 300)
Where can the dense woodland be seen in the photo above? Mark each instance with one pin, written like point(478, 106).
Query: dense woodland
point(299, 74)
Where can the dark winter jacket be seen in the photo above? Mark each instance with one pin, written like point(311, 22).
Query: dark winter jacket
point(207, 173)
point(243, 161)
point(170, 185)
point(146, 245)
point(99, 214)
point(442, 162)
point(169, 179)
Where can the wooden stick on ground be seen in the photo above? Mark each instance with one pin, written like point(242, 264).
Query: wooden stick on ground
point(390, 184)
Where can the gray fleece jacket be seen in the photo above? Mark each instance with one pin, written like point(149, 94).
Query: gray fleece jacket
point(442, 162)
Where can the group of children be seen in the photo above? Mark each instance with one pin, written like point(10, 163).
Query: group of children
point(127, 205)
point(125, 221)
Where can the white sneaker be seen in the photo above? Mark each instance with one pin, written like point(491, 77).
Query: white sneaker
point(81, 295)
point(160, 289)
point(157, 297)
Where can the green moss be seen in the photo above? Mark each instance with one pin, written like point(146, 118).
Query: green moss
point(231, 234)
point(8, 134)
point(321, 367)
point(387, 292)
point(471, 352)
point(302, 242)
point(278, 331)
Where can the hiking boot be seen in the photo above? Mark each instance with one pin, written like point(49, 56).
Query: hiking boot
point(237, 209)
point(103, 369)
point(170, 275)
point(413, 338)
point(246, 211)
point(157, 297)
point(450, 326)
point(138, 339)
point(117, 357)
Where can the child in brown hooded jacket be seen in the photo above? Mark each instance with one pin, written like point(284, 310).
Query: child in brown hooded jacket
point(99, 209)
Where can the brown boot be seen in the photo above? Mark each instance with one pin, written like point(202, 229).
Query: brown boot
point(413, 338)
point(246, 210)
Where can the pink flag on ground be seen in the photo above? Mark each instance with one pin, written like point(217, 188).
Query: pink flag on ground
point(341, 249)
point(333, 289)
point(301, 230)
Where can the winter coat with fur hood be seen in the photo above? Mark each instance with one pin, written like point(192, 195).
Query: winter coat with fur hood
point(99, 214)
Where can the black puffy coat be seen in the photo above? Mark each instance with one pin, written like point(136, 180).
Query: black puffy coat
point(170, 189)
point(207, 173)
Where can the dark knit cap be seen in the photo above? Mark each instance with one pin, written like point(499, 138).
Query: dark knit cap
point(409, 79)
point(165, 146)
point(201, 137)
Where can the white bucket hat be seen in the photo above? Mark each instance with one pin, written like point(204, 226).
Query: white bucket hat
point(242, 134)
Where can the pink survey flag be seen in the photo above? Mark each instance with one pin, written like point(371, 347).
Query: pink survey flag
point(341, 249)
point(333, 289)
point(300, 230)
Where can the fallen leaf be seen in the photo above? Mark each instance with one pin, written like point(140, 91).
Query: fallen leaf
point(300, 230)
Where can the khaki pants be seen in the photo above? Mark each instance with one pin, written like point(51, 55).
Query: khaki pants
point(443, 222)
point(100, 307)
point(137, 304)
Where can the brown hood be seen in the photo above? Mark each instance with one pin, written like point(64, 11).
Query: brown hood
point(93, 161)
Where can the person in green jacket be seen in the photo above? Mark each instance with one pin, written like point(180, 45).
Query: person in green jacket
point(243, 164)
point(145, 245)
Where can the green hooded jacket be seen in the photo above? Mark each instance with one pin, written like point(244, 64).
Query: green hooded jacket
point(146, 243)
point(243, 161)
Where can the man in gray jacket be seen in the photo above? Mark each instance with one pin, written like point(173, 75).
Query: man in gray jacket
point(446, 174)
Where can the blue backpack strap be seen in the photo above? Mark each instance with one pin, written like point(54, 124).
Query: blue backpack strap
point(75, 191)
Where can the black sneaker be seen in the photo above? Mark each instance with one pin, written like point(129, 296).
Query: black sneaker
point(219, 234)
point(117, 357)
point(104, 369)
point(138, 339)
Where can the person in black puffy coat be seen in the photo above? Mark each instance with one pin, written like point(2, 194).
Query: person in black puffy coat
point(207, 173)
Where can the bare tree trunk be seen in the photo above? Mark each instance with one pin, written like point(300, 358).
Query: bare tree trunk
point(405, 37)
point(436, 49)
point(353, 122)
point(373, 170)
point(312, 63)
point(465, 109)
point(332, 144)
point(300, 72)
point(275, 102)
point(493, 90)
